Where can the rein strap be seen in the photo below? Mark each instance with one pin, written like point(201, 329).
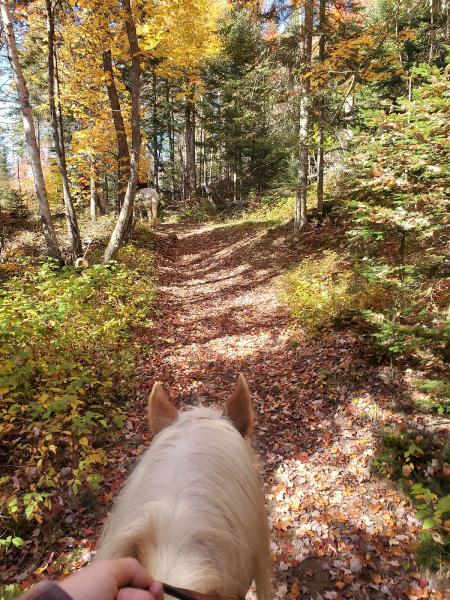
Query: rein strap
point(184, 594)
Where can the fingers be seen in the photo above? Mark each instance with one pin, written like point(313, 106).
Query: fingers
point(156, 590)
point(116, 579)
point(134, 594)
point(128, 572)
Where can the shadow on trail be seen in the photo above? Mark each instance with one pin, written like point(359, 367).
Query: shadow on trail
point(219, 314)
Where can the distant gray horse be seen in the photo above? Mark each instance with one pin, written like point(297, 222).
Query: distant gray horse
point(146, 203)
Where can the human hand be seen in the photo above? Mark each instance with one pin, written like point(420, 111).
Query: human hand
point(119, 579)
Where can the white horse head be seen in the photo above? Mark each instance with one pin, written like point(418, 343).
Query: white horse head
point(193, 511)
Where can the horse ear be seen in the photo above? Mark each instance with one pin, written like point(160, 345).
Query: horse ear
point(239, 407)
point(161, 411)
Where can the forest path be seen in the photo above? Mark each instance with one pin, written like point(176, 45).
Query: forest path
point(338, 531)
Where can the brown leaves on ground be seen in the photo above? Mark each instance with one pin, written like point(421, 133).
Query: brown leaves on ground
point(338, 530)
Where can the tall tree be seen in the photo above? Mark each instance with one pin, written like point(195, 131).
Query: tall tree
point(58, 133)
point(155, 128)
point(300, 216)
point(321, 115)
point(123, 158)
point(190, 179)
point(126, 211)
point(30, 134)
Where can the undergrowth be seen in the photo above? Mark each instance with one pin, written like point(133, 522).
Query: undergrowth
point(422, 468)
point(318, 290)
point(200, 211)
point(324, 289)
point(432, 395)
point(393, 281)
point(66, 367)
point(273, 210)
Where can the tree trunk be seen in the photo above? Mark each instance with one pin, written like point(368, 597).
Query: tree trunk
point(300, 217)
point(97, 201)
point(19, 183)
point(321, 133)
point(106, 194)
point(71, 217)
point(60, 117)
point(320, 165)
point(123, 158)
point(30, 135)
point(201, 158)
point(38, 128)
point(434, 7)
point(155, 133)
point(190, 150)
point(101, 200)
point(126, 211)
point(182, 168)
point(93, 195)
point(171, 134)
point(447, 21)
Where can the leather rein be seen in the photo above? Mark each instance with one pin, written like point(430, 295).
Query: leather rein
point(184, 594)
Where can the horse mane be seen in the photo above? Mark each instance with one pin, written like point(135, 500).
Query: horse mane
point(193, 511)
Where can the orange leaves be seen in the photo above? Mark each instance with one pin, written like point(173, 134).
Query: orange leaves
point(295, 591)
point(416, 593)
point(281, 525)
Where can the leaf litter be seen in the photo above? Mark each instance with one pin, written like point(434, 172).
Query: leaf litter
point(338, 531)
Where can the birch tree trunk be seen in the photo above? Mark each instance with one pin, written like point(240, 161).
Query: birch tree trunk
point(190, 150)
point(71, 217)
point(155, 132)
point(321, 133)
point(300, 217)
point(30, 134)
point(126, 211)
point(123, 158)
point(171, 134)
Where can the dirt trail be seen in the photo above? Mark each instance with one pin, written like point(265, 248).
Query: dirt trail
point(338, 531)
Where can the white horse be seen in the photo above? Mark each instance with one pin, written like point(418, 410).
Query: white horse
point(192, 511)
point(146, 201)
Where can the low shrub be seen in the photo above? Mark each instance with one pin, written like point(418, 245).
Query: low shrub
point(273, 209)
point(433, 395)
point(201, 211)
point(66, 365)
point(395, 190)
point(421, 467)
point(320, 290)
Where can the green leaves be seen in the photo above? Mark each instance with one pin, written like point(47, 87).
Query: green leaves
point(320, 290)
point(9, 540)
point(396, 199)
point(65, 363)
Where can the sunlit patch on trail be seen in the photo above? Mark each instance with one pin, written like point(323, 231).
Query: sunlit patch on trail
point(338, 530)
